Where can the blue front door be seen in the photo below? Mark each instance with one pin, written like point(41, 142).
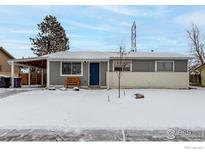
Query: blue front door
point(94, 73)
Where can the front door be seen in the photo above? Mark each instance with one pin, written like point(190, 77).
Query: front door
point(94, 73)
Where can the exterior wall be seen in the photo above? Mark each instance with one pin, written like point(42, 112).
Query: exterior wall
point(57, 79)
point(203, 77)
point(143, 65)
point(103, 70)
point(140, 65)
point(150, 80)
point(5, 67)
point(111, 66)
point(180, 65)
point(143, 75)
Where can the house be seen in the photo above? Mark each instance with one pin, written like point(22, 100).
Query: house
point(143, 69)
point(202, 73)
point(5, 68)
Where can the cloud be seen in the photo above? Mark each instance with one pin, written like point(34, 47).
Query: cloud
point(119, 25)
point(103, 27)
point(23, 31)
point(119, 10)
point(11, 42)
point(16, 47)
point(162, 43)
point(99, 27)
point(113, 25)
point(89, 45)
point(197, 17)
point(128, 11)
point(161, 39)
point(17, 31)
point(76, 36)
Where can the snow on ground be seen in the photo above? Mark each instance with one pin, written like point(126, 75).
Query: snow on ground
point(5, 92)
point(84, 109)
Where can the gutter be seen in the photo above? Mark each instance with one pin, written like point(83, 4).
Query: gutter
point(26, 59)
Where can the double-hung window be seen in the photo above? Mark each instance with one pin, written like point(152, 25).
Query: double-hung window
point(71, 68)
point(165, 66)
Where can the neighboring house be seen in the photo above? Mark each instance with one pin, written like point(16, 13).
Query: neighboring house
point(202, 73)
point(143, 69)
point(5, 68)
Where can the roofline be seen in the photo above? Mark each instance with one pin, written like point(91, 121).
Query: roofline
point(117, 51)
point(200, 67)
point(89, 59)
point(5, 51)
point(27, 59)
point(110, 58)
point(186, 58)
point(77, 59)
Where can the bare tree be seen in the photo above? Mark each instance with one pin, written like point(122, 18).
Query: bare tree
point(197, 46)
point(121, 65)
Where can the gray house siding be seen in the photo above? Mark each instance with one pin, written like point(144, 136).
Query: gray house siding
point(103, 70)
point(139, 65)
point(111, 65)
point(143, 65)
point(57, 79)
point(180, 65)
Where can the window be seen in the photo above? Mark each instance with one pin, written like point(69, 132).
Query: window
point(165, 66)
point(122, 66)
point(66, 68)
point(0, 68)
point(76, 68)
point(71, 68)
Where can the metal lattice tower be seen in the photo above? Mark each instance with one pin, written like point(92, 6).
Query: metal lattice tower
point(133, 38)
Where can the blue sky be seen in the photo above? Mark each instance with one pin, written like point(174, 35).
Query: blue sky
point(102, 28)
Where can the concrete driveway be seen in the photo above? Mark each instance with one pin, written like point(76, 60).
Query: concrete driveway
point(9, 92)
point(5, 92)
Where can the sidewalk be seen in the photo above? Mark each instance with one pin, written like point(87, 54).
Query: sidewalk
point(97, 135)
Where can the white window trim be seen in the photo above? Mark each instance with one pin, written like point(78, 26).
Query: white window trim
point(71, 74)
point(173, 66)
point(121, 71)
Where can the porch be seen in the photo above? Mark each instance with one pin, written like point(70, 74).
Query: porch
point(33, 71)
point(92, 74)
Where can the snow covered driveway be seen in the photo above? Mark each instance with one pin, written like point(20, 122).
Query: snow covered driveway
point(90, 109)
point(5, 92)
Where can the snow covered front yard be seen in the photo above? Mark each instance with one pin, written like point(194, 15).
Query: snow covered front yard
point(84, 109)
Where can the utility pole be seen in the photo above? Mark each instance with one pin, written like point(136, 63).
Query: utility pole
point(133, 37)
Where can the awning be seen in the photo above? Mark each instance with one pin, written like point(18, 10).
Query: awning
point(38, 62)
